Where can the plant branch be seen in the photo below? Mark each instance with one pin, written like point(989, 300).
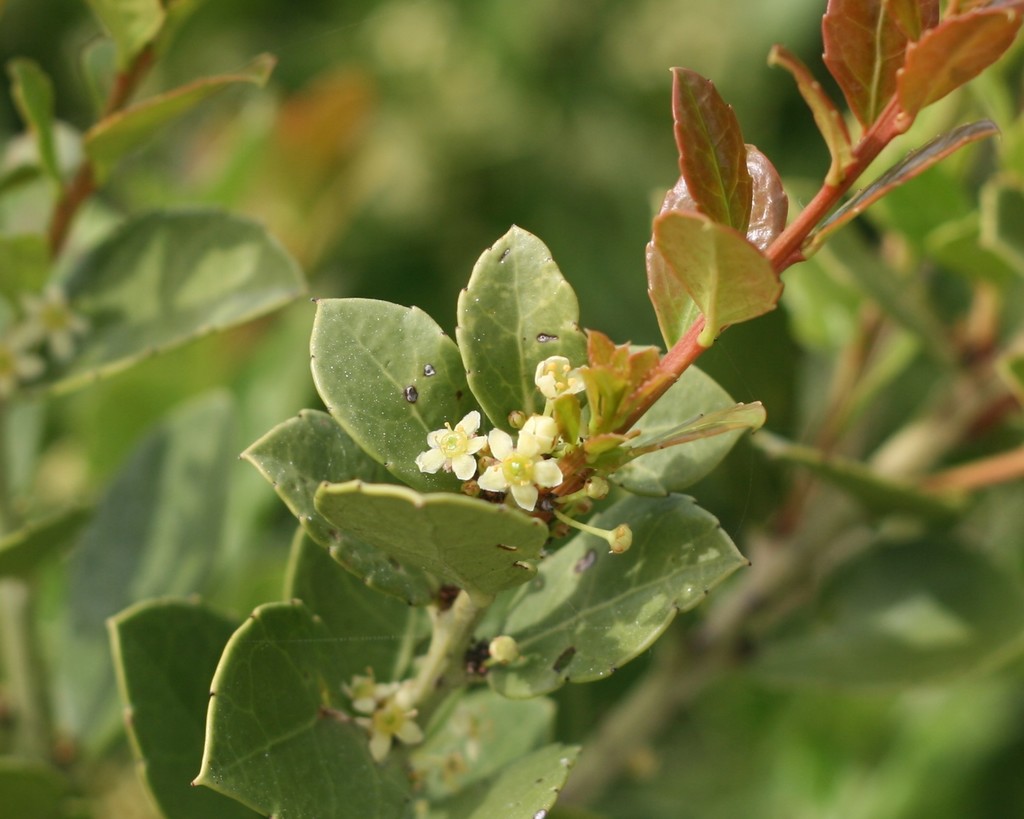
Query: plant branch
point(83, 183)
point(443, 668)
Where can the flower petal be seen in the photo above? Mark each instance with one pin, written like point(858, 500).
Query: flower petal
point(470, 424)
point(546, 473)
point(409, 733)
point(500, 442)
point(526, 496)
point(430, 461)
point(493, 479)
point(464, 467)
point(380, 744)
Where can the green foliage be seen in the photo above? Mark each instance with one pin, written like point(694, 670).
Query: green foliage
point(516, 311)
point(166, 653)
point(274, 739)
point(470, 543)
point(479, 518)
point(589, 611)
point(160, 280)
point(902, 615)
point(388, 375)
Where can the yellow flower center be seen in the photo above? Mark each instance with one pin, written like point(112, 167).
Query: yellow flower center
point(518, 470)
point(453, 442)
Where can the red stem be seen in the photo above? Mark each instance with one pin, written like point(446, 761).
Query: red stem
point(83, 184)
point(787, 247)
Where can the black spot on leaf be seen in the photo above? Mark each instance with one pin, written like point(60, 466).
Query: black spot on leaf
point(411, 394)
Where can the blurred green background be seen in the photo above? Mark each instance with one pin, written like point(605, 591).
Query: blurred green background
point(396, 141)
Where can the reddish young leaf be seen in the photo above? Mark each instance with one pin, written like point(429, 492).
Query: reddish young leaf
point(727, 277)
point(952, 53)
point(915, 163)
point(826, 116)
point(914, 16)
point(769, 206)
point(864, 48)
point(712, 156)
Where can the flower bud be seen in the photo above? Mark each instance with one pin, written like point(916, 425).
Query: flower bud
point(503, 650)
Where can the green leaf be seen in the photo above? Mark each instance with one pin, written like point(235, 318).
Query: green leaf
point(303, 452)
point(675, 310)
point(155, 532)
point(119, 133)
point(275, 738)
point(389, 375)
point(167, 277)
point(955, 51)
point(902, 615)
point(165, 653)
point(687, 403)
point(712, 155)
point(1010, 367)
point(917, 162)
point(482, 734)
point(826, 116)
point(879, 495)
point(960, 246)
point(133, 24)
point(370, 630)
point(864, 48)
point(588, 612)
point(479, 546)
point(724, 274)
point(33, 95)
point(32, 789)
point(25, 262)
point(516, 311)
point(526, 788)
point(40, 541)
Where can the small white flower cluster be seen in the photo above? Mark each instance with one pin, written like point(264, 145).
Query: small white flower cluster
point(388, 714)
point(521, 468)
point(48, 320)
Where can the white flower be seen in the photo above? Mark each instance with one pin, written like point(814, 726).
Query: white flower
point(17, 364)
point(390, 721)
point(520, 469)
point(366, 693)
point(543, 429)
point(49, 317)
point(555, 377)
point(453, 449)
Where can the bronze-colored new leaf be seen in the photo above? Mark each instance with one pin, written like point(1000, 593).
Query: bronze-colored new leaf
point(914, 16)
point(712, 156)
point(956, 51)
point(864, 48)
point(826, 116)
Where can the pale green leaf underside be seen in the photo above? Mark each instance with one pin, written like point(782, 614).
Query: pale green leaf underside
point(517, 310)
point(371, 630)
point(524, 789)
point(728, 278)
point(118, 134)
point(673, 469)
point(271, 744)
point(479, 546)
point(902, 615)
point(389, 375)
point(589, 612)
point(301, 453)
point(164, 278)
point(165, 653)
